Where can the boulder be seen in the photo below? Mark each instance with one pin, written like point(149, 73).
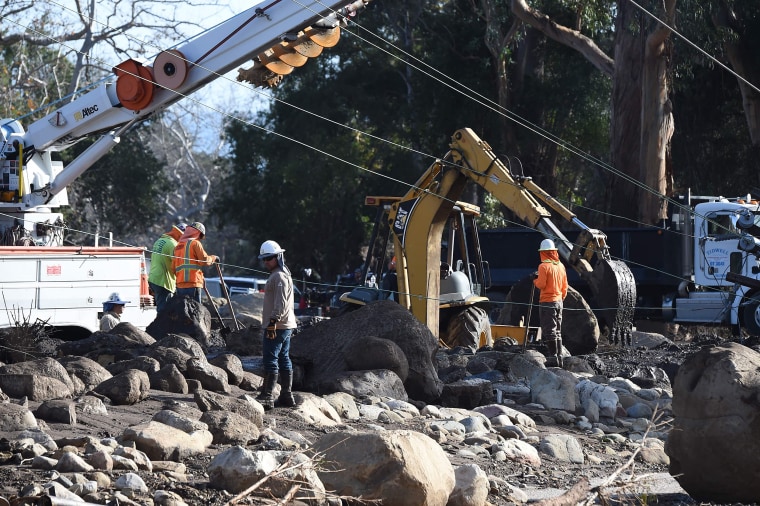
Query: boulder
point(397, 467)
point(127, 388)
point(715, 440)
point(89, 372)
point(183, 315)
point(320, 350)
point(38, 380)
point(106, 347)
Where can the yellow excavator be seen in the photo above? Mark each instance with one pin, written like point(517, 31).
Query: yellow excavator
point(446, 290)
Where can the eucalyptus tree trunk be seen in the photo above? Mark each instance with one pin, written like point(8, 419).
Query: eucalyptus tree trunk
point(656, 123)
point(641, 123)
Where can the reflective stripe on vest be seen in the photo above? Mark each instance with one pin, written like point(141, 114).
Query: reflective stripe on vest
point(186, 267)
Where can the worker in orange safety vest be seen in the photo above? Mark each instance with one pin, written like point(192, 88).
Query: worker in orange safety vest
point(551, 280)
point(189, 260)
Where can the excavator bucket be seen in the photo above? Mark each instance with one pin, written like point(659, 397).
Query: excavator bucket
point(325, 37)
point(614, 289)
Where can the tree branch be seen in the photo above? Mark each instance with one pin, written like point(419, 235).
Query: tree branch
point(564, 35)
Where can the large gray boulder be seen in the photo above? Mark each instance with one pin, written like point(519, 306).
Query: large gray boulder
point(39, 380)
point(714, 446)
point(183, 315)
point(176, 349)
point(321, 350)
point(129, 387)
point(396, 467)
point(86, 371)
point(123, 342)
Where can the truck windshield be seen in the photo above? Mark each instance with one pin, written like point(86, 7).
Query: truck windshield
point(721, 224)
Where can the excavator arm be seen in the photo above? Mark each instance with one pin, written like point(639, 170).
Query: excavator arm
point(420, 215)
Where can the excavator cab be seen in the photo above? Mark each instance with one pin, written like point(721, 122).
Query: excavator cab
point(463, 319)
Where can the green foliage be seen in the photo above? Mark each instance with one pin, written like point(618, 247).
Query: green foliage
point(307, 190)
point(120, 192)
point(30, 78)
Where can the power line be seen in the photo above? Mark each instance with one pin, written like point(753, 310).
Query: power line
point(483, 101)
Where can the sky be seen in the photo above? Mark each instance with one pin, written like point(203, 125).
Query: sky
point(225, 95)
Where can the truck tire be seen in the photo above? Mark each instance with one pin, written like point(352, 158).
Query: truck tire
point(751, 315)
point(466, 327)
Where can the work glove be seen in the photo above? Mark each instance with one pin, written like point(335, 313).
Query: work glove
point(534, 275)
point(271, 329)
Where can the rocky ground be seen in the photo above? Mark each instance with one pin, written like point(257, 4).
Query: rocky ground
point(631, 479)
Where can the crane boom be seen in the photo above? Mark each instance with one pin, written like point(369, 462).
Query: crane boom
point(272, 34)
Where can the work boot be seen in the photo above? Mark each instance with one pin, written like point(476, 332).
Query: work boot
point(554, 353)
point(286, 400)
point(265, 397)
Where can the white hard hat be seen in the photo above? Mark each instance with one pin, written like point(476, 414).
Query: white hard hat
point(547, 245)
point(269, 248)
point(115, 299)
point(199, 227)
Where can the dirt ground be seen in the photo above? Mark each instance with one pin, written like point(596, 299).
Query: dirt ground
point(611, 361)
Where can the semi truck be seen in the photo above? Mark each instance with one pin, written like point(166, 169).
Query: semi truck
point(700, 266)
point(64, 287)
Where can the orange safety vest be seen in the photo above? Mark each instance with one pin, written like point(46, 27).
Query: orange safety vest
point(189, 259)
point(552, 278)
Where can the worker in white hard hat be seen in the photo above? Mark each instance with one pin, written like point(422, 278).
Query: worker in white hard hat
point(162, 278)
point(278, 313)
point(551, 280)
point(189, 260)
point(112, 310)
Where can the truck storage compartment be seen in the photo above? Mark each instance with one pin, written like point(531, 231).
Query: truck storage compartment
point(703, 307)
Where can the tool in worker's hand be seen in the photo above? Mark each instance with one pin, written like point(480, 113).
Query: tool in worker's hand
point(225, 330)
point(530, 310)
point(227, 294)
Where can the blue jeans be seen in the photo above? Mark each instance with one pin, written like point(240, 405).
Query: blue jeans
point(162, 296)
point(193, 293)
point(277, 351)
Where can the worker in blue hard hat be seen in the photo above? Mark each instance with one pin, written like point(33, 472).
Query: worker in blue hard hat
point(162, 279)
point(112, 310)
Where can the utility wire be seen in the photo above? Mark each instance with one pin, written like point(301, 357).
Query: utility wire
point(484, 102)
point(705, 53)
point(498, 109)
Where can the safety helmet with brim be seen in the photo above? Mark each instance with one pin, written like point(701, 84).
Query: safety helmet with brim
point(115, 299)
point(547, 245)
point(199, 227)
point(269, 248)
